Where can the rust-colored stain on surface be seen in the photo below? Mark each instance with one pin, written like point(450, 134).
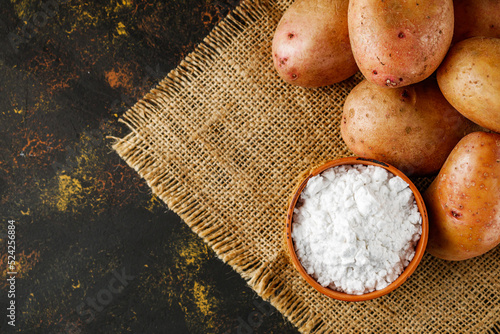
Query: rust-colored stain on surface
point(24, 263)
point(121, 76)
point(82, 215)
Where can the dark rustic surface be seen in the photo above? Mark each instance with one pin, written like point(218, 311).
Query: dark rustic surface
point(96, 252)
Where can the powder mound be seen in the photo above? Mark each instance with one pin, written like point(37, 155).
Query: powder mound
point(355, 228)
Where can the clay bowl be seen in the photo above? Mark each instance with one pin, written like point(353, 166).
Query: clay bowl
point(419, 251)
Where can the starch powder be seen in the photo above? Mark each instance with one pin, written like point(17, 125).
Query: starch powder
point(355, 228)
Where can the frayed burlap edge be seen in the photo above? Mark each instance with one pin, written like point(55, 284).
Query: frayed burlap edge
point(134, 149)
point(136, 153)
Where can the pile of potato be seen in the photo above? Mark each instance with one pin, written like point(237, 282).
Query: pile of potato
point(429, 102)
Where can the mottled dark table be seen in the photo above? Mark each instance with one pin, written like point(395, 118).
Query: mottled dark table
point(95, 251)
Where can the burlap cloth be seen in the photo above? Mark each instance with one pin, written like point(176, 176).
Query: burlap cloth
point(222, 141)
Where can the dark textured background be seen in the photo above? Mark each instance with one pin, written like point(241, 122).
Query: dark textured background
point(96, 252)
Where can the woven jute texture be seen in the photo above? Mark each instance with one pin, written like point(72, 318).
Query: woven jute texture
point(222, 141)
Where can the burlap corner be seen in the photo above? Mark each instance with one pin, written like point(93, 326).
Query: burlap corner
point(222, 141)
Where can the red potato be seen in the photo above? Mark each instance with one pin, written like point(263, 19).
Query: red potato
point(311, 45)
point(463, 201)
point(397, 43)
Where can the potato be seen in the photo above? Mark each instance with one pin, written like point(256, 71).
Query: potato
point(311, 45)
point(476, 18)
point(463, 202)
point(412, 128)
point(469, 78)
point(397, 43)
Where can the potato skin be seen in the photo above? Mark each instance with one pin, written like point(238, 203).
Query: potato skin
point(476, 18)
point(469, 78)
point(397, 43)
point(412, 128)
point(311, 46)
point(463, 201)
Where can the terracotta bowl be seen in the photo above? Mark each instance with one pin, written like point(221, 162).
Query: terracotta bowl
point(419, 251)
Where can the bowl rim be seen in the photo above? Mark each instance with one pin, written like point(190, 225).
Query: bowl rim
point(419, 249)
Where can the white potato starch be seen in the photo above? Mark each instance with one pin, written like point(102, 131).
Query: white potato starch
point(355, 228)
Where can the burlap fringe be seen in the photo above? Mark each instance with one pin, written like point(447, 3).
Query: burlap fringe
point(133, 150)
